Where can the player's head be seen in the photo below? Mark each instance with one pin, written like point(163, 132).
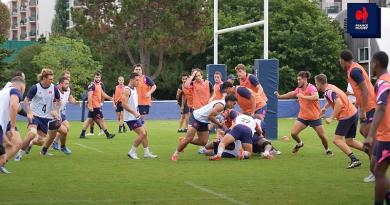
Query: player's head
point(19, 83)
point(64, 83)
point(379, 62)
point(230, 101)
point(97, 77)
point(321, 82)
point(241, 71)
point(227, 87)
point(66, 74)
point(218, 77)
point(184, 77)
point(346, 58)
point(46, 76)
point(198, 75)
point(231, 78)
point(18, 73)
point(137, 68)
point(302, 78)
point(134, 79)
point(121, 80)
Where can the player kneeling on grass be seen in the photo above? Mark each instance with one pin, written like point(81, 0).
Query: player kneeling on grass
point(199, 121)
point(243, 130)
point(133, 118)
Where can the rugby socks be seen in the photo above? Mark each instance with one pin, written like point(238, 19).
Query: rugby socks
point(91, 129)
point(83, 133)
point(44, 150)
point(133, 149)
point(107, 133)
point(352, 157)
point(146, 150)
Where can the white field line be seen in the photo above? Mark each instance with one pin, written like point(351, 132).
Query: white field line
point(88, 147)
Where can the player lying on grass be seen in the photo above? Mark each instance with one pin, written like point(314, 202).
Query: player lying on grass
point(199, 121)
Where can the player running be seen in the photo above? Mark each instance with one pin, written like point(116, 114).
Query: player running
point(345, 113)
point(379, 133)
point(309, 113)
point(133, 117)
point(9, 106)
point(95, 95)
point(199, 121)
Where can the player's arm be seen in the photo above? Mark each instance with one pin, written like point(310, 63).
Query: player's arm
point(105, 96)
point(314, 96)
point(336, 110)
point(178, 92)
point(258, 130)
point(212, 97)
point(27, 100)
point(126, 106)
point(288, 95)
point(357, 76)
point(189, 80)
point(72, 100)
point(363, 87)
point(214, 112)
point(57, 103)
point(14, 107)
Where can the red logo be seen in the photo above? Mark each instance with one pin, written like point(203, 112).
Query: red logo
point(50, 92)
point(361, 15)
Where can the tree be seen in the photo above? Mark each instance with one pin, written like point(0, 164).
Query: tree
point(61, 54)
point(145, 31)
point(4, 21)
point(61, 16)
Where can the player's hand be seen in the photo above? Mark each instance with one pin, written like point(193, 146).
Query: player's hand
point(323, 110)
point(30, 117)
point(277, 94)
point(193, 73)
point(115, 107)
point(362, 116)
point(181, 109)
point(13, 132)
point(328, 120)
point(54, 114)
point(369, 141)
point(90, 109)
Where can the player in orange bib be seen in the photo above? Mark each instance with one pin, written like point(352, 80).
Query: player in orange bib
point(217, 95)
point(380, 128)
point(118, 91)
point(309, 113)
point(346, 113)
point(362, 88)
point(201, 89)
point(145, 90)
point(250, 81)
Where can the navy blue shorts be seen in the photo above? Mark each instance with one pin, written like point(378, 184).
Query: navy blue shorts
point(134, 124)
point(311, 123)
point(96, 114)
point(186, 109)
point(119, 107)
point(347, 127)
point(262, 111)
point(381, 151)
point(199, 126)
point(224, 154)
point(143, 109)
point(369, 116)
point(63, 117)
point(242, 133)
point(41, 123)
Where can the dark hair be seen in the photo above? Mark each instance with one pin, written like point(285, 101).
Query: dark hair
point(382, 58)
point(304, 74)
point(218, 73)
point(231, 98)
point(226, 85)
point(17, 73)
point(133, 75)
point(185, 75)
point(346, 55)
point(17, 79)
point(137, 65)
point(321, 78)
point(62, 79)
point(98, 73)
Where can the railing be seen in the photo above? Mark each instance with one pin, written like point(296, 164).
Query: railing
point(23, 36)
point(23, 21)
point(32, 33)
point(32, 18)
point(14, 26)
point(331, 7)
point(33, 3)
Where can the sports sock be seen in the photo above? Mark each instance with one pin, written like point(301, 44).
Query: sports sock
point(44, 150)
point(106, 132)
point(352, 157)
point(91, 129)
point(83, 133)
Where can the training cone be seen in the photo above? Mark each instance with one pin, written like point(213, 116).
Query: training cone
point(285, 138)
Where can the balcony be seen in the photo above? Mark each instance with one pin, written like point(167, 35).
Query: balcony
point(78, 4)
point(14, 27)
point(14, 12)
point(331, 8)
point(23, 36)
point(23, 21)
point(33, 3)
point(32, 33)
point(23, 9)
point(32, 19)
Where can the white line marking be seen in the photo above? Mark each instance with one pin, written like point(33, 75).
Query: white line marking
point(88, 147)
point(220, 195)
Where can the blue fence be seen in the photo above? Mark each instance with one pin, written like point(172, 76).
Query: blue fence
point(162, 110)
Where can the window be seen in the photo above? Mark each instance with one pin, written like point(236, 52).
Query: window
point(363, 55)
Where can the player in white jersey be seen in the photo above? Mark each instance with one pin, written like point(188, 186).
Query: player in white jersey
point(9, 106)
point(133, 118)
point(199, 121)
point(15, 74)
point(66, 97)
point(244, 128)
point(42, 106)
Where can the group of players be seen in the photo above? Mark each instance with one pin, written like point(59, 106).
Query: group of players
point(203, 106)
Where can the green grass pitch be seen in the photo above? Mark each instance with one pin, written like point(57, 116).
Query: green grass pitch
point(99, 172)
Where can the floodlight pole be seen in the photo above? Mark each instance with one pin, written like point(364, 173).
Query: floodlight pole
point(244, 26)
